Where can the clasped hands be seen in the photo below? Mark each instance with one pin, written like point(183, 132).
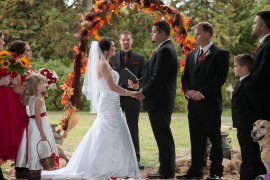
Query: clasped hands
point(194, 95)
point(138, 95)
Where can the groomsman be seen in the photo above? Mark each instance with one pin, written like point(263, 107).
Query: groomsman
point(126, 58)
point(205, 72)
point(261, 69)
point(158, 95)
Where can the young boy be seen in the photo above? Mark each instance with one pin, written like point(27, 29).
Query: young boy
point(245, 111)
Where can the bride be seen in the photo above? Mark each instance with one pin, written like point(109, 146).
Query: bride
point(106, 150)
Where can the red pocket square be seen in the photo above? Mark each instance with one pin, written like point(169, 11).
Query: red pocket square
point(135, 62)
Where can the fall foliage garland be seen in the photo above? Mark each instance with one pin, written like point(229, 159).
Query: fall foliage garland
point(101, 14)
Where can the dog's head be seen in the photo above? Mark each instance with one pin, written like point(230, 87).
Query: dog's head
point(261, 131)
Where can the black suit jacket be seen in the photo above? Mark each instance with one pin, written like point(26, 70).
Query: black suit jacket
point(159, 79)
point(261, 75)
point(207, 77)
point(135, 65)
point(246, 107)
point(261, 68)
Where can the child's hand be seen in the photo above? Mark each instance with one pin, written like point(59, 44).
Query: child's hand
point(43, 137)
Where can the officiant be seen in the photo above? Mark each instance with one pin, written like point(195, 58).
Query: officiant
point(127, 58)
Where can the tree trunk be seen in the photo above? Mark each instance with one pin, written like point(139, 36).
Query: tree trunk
point(88, 4)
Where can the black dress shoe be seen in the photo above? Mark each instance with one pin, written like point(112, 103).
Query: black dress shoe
point(159, 176)
point(189, 176)
point(140, 166)
point(213, 177)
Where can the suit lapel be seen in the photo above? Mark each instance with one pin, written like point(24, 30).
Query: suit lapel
point(194, 62)
point(208, 59)
point(259, 50)
point(118, 61)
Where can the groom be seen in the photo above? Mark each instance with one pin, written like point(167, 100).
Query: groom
point(158, 95)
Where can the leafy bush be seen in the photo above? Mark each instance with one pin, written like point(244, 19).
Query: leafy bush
point(62, 67)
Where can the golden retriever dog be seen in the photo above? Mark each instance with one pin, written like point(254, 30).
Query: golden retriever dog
point(261, 134)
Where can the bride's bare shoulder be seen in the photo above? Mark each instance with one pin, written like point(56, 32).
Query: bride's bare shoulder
point(103, 65)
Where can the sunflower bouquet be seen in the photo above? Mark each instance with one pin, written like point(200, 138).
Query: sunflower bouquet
point(12, 64)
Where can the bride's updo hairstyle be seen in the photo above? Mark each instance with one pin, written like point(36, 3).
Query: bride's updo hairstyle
point(105, 43)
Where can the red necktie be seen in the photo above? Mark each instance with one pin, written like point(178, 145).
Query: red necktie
point(237, 86)
point(126, 58)
point(200, 56)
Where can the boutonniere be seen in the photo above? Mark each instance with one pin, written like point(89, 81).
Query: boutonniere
point(204, 55)
point(258, 46)
point(135, 62)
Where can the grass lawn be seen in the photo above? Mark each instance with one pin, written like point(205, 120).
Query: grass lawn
point(149, 151)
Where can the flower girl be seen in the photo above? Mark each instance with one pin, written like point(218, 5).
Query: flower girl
point(38, 128)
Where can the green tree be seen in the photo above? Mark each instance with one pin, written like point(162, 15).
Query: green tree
point(48, 26)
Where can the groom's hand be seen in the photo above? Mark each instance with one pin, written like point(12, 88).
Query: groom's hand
point(139, 96)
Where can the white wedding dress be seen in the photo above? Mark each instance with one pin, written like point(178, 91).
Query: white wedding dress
point(106, 150)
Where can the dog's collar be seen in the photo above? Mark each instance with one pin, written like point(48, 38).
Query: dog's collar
point(262, 147)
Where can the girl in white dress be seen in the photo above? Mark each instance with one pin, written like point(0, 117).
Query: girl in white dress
point(38, 128)
point(106, 151)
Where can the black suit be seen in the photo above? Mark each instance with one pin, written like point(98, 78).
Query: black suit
point(159, 89)
point(246, 110)
point(130, 106)
point(205, 115)
point(261, 75)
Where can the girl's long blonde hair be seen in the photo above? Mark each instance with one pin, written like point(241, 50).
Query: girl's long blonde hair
point(30, 86)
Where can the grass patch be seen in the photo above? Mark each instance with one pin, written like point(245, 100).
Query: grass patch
point(148, 146)
point(149, 150)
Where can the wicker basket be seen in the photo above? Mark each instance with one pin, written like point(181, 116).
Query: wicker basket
point(47, 163)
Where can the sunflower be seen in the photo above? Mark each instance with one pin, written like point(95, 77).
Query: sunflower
point(5, 64)
point(24, 62)
point(4, 54)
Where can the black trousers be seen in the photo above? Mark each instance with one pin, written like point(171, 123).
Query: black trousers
point(160, 123)
point(132, 112)
point(203, 125)
point(251, 165)
point(1, 174)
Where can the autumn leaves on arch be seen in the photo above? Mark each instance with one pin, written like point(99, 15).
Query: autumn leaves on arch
point(101, 14)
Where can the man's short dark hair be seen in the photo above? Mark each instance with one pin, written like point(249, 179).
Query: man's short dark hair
point(126, 32)
point(244, 60)
point(163, 26)
point(206, 27)
point(265, 16)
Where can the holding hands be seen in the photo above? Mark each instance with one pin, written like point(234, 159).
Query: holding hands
point(139, 95)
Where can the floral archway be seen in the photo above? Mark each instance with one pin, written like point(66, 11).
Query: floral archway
point(101, 14)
